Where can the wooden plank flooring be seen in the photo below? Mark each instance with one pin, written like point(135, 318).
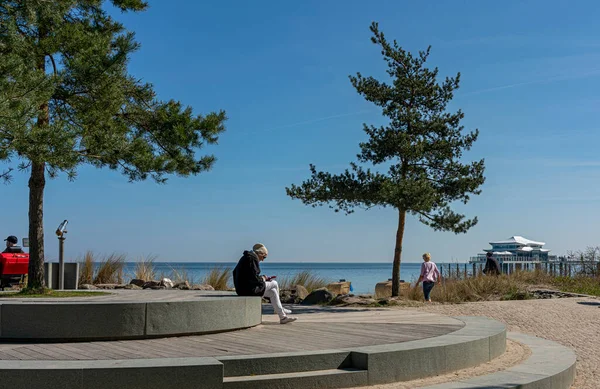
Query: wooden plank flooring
point(316, 329)
point(126, 295)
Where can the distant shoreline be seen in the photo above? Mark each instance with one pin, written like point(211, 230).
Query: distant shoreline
point(276, 262)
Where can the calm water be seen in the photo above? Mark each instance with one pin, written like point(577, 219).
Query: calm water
point(363, 276)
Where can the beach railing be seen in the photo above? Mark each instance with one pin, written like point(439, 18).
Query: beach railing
point(555, 268)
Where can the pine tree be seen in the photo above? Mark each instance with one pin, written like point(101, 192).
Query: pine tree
point(66, 99)
point(423, 145)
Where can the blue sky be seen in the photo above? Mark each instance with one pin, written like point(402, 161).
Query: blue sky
point(530, 76)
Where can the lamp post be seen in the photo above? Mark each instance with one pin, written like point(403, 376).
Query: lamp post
point(60, 232)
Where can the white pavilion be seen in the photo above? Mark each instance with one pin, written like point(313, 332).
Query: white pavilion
point(517, 249)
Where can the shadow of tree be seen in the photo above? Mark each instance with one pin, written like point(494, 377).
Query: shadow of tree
point(596, 304)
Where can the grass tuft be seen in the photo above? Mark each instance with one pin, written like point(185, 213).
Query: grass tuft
point(306, 278)
point(86, 269)
point(218, 278)
point(181, 275)
point(110, 270)
point(480, 288)
point(578, 284)
point(144, 269)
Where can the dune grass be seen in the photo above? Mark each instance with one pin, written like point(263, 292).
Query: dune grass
point(218, 278)
point(584, 283)
point(144, 268)
point(479, 288)
point(180, 275)
point(578, 284)
point(86, 269)
point(110, 270)
point(515, 286)
point(306, 278)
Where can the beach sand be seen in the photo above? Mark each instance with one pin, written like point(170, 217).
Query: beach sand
point(572, 322)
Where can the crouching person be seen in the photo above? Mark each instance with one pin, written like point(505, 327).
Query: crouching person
point(249, 282)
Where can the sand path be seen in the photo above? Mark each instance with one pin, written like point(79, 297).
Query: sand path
point(572, 322)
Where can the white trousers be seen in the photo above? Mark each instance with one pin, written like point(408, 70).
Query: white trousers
point(272, 292)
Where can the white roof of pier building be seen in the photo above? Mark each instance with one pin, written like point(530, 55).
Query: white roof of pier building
point(529, 248)
point(518, 240)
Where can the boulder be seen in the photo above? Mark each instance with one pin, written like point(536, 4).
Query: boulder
point(137, 281)
point(167, 283)
point(318, 296)
point(150, 284)
point(342, 287)
point(158, 287)
point(182, 285)
point(202, 287)
point(384, 289)
point(286, 296)
point(350, 299)
point(132, 287)
point(88, 287)
point(294, 295)
point(107, 286)
point(301, 292)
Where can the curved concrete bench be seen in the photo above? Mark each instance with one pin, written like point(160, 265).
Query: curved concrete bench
point(479, 341)
point(121, 319)
point(550, 365)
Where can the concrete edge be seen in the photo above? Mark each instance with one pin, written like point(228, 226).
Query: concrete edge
point(481, 338)
point(277, 363)
point(550, 365)
point(85, 321)
point(383, 363)
point(134, 374)
point(479, 341)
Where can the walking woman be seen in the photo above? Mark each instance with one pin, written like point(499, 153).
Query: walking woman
point(429, 275)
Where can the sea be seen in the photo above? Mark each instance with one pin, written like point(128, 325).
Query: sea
point(363, 276)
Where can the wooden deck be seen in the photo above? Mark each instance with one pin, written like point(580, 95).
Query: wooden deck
point(125, 296)
point(316, 329)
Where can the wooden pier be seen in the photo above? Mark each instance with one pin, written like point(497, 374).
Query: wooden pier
point(555, 268)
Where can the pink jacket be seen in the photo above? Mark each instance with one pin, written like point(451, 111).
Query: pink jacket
point(429, 272)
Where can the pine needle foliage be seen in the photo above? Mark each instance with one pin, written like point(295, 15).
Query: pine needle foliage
point(67, 99)
point(421, 146)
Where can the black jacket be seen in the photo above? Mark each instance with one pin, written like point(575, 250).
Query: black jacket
point(14, 250)
point(492, 267)
point(246, 276)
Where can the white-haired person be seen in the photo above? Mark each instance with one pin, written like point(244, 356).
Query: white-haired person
point(249, 282)
point(429, 275)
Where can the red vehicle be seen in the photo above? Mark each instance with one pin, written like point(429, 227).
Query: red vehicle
point(13, 268)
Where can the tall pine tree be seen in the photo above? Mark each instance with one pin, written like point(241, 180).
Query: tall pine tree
point(422, 143)
point(66, 99)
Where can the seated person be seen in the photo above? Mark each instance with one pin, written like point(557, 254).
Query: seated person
point(11, 245)
point(249, 282)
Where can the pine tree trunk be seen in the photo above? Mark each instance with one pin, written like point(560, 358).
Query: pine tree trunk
point(398, 253)
point(37, 182)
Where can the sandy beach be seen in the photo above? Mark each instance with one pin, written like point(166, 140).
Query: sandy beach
point(573, 322)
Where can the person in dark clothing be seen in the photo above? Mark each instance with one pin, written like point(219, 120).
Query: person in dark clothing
point(492, 267)
point(11, 245)
point(248, 281)
point(246, 276)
